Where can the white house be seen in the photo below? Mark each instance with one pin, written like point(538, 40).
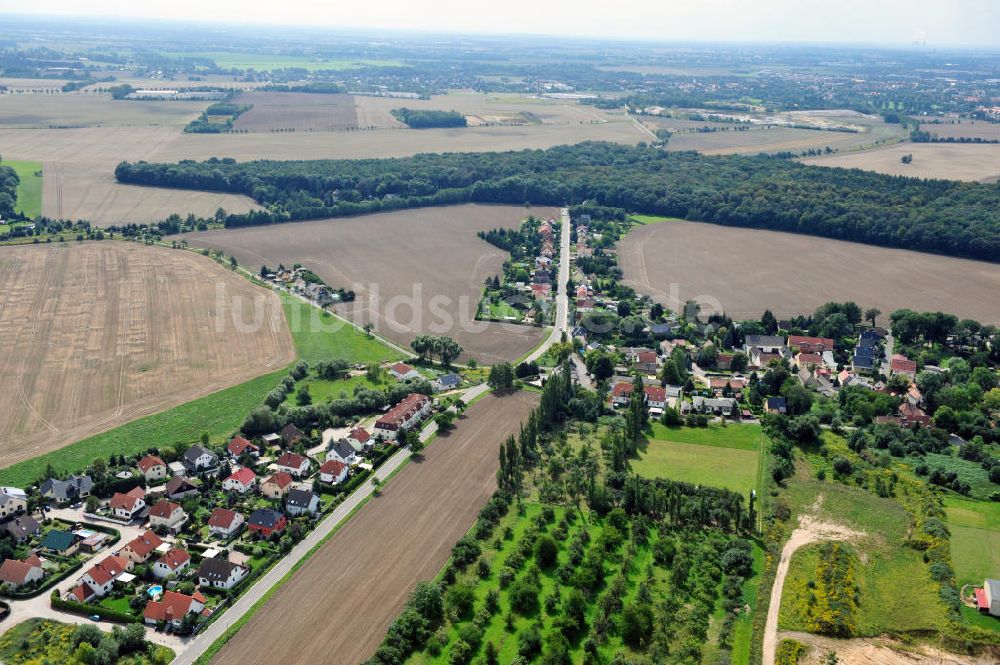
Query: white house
point(410, 410)
point(301, 501)
point(293, 463)
point(174, 561)
point(18, 573)
point(333, 472)
point(13, 501)
point(127, 506)
point(223, 522)
point(153, 468)
point(243, 480)
point(198, 458)
point(342, 451)
point(220, 573)
point(403, 372)
point(166, 514)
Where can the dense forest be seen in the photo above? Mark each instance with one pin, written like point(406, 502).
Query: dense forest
point(947, 217)
point(424, 119)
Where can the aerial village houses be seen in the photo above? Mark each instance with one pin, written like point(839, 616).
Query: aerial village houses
point(172, 607)
point(127, 506)
point(403, 372)
point(301, 501)
point(410, 410)
point(333, 472)
point(360, 439)
point(805, 344)
point(18, 573)
point(291, 435)
point(342, 451)
point(174, 561)
point(167, 514)
point(198, 458)
point(180, 487)
point(101, 577)
point(224, 523)
point(293, 463)
point(265, 521)
point(22, 528)
point(900, 364)
point(220, 573)
point(242, 480)
point(153, 468)
point(238, 446)
point(141, 548)
point(71, 489)
point(277, 485)
point(13, 501)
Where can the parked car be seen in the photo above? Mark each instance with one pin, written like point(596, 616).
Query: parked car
point(95, 617)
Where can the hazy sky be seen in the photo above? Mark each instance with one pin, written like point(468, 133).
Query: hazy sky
point(968, 22)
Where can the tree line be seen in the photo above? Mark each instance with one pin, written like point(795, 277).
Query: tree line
point(947, 217)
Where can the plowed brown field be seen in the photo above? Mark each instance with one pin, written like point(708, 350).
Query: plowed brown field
point(745, 271)
point(99, 334)
point(414, 271)
point(336, 607)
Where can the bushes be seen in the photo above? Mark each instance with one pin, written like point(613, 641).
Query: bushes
point(465, 552)
point(788, 652)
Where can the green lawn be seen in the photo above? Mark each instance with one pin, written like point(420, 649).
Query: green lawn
point(744, 437)
point(323, 390)
point(322, 336)
point(654, 219)
point(975, 539)
point(219, 414)
point(29, 190)
point(731, 468)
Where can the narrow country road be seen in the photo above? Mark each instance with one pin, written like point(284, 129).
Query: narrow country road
point(562, 297)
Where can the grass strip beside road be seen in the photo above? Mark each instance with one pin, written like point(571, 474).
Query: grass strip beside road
point(219, 414)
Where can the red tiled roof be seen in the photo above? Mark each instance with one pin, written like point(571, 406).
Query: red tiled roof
point(655, 393)
point(647, 357)
point(171, 606)
point(282, 479)
point(621, 389)
point(981, 599)
point(401, 368)
point(239, 445)
point(14, 571)
point(124, 501)
point(809, 359)
point(333, 467)
point(145, 543)
point(244, 476)
point(903, 364)
point(174, 558)
point(82, 592)
point(222, 518)
point(163, 509)
point(148, 462)
point(395, 416)
point(360, 434)
point(107, 570)
point(811, 343)
point(291, 460)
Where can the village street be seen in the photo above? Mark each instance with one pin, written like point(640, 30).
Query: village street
point(562, 297)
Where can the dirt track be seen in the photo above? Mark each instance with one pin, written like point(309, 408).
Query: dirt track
point(96, 335)
point(882, 651)
point(336, 608)
point(809, 531)
point(414, 271)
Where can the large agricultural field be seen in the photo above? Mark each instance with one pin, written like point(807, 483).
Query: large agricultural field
point(101, 334)
point(296, 111)
point(430, 256)
point(745, 271)
point(950, 161)
point(79, 162)
point(359, 580)
point(961, 128)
